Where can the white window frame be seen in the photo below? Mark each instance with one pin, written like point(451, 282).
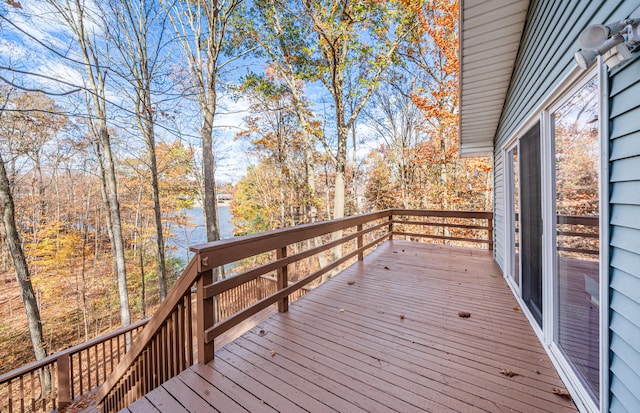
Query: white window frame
point(507, 162)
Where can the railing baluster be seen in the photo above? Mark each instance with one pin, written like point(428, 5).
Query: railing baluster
point(164, 354)
point(181, 331)
point(96, 365)
point(21, 393)
point(282, 279)
point(189, 332)
point(10, 396)
point(360, 243)
point(104, 362)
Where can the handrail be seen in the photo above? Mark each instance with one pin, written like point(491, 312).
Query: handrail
point(179, 295)
point(59, 367)
point(163, 348)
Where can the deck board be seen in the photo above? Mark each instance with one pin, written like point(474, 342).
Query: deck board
point(392, 341)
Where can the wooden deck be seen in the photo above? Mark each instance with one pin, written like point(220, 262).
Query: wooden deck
point(382, 336)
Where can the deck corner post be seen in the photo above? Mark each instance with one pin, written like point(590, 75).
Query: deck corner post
point(490, 233)
point(390, 227)
point(282, 280)
point(64, 380)
point(360, 243)
point(204, 317)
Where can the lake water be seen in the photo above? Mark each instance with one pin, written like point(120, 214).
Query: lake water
point(194, 233)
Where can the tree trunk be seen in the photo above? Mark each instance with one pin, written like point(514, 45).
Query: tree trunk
point(21, 267)
point(155, 190)
point(116, 225)
point(209, 182)
point(208, 177)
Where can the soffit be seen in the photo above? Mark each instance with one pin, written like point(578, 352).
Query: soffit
point(490, 33)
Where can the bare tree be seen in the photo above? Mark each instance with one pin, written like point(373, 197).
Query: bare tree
point(23, 276)
point(77, 17)
point(138, 35)
point(204, 31)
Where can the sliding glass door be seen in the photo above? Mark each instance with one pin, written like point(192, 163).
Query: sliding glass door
point(531, 222)
point(576, 153)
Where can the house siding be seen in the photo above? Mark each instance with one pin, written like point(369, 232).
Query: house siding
point(624, 326)
point(544, 60)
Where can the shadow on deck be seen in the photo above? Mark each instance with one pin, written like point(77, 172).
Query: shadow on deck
point(382, 336)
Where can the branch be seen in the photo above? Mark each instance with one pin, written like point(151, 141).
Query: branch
point(26, 89)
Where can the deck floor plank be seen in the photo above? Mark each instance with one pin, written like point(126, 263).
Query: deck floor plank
point(345, 347)
point(163, 401)
point(232, 390)
point(141, 406)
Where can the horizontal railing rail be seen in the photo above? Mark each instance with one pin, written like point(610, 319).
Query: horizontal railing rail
point(579, 234)
point(451, 226)
point(54, 381)
point(295, 257)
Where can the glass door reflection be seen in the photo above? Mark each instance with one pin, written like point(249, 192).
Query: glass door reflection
point(577, 232)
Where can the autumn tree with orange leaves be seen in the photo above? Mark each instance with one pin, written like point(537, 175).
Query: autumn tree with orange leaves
point(430, 65)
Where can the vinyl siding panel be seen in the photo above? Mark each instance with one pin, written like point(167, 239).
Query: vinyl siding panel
point(624, 326)
point(619, 392)
point(625, 193)
point(622, 215)
point(625, 374)
point(625, 146)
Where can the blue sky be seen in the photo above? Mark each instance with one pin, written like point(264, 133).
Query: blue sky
point(27, 31)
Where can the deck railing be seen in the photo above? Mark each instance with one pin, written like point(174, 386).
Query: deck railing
point(54, 381)
point(578, 234)
point(293, 256)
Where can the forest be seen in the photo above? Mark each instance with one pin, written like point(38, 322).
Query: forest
point(118, 117)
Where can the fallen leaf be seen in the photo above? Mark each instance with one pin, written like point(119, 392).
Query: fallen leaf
point(14, 4)
point(562, 392)
point(273, 353)
point(351, 282)
point(342, 310)
point(464, 314)
point(516, 308)
point(262, 333)
point(386, 268)
point(401, 316)
point(508, 373)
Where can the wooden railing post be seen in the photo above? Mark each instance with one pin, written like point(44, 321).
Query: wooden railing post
point(282, 280)
point(360, 243)
point(390, 226)
point(64, 380)
point(205, 318)
point(490, 233)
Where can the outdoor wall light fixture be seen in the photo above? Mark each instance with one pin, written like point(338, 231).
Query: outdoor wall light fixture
point(615, 41)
